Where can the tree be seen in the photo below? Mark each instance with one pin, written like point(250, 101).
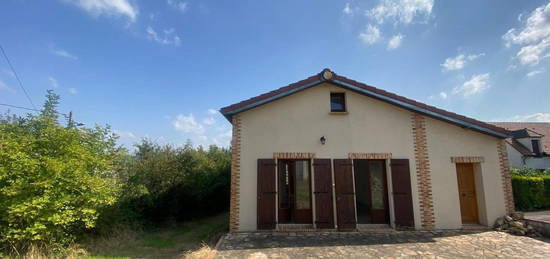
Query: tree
point(53, 178)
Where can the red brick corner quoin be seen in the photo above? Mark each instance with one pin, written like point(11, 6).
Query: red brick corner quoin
point(505, 176)
point(235, 175)
point(424, 180)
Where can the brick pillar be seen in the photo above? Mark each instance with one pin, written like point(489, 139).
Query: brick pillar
point(422, 162)
point(235, 174)
point(505, 176)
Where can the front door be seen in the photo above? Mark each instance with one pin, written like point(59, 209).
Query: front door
point(294, 183)
point(467, 193)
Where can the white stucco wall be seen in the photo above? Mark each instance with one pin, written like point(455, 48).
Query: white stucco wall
point(446, 140)
point(295, 124)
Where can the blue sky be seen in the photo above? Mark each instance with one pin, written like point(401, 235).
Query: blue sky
point(161, 69)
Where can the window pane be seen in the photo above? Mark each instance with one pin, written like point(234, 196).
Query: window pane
point(283, 186)
point(302, 185)
point(377, 184)
point(337, 102)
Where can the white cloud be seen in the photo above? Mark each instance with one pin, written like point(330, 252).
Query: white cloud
point(459, 61)
point(108, 7)
point(473, 57)
point(72, 91)
point(167, 38)
point(223, 139)
point(212, 111)
point(534, 53)
point(347, 9)
point(53, 82)
point(454, 63)
point(208, 121)
point(441, 95)
point(5, 87)
point(476, 85)
point(400, 11)
point(8, 72)
point(371, 35)
point(180, 5)
point(535, 117)
point(125, 134)
point(63, 53)
point(395, 41)
point(533, 37)
point(533, 73)
point(187, 124)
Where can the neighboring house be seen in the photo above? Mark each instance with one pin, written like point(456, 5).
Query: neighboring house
point(529, 145)
point(329, 152)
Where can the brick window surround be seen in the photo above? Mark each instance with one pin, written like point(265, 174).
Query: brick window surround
point(424, 181)
point(293, 155)
point(467, 159)
point(369, 155)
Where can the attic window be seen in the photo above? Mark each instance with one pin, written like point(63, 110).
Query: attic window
point(536, 144)
point(337, 102)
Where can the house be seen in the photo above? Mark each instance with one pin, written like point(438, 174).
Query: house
point(529, 145)
point(329, 152)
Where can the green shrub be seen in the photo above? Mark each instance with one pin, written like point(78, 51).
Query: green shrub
point(53, 178)
point(531, 192)
point(530, 172)
point(166, 183)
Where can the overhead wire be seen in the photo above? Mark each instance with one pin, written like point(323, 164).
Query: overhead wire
point(16, 76)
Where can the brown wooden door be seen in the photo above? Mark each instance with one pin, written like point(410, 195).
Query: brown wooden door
point(267, 192)
point(402, 196)
point(345, 202)
point(324, 211)
point(467, 193)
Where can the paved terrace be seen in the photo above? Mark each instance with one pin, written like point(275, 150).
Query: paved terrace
point(415, 244)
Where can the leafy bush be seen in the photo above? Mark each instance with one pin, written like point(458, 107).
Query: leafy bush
point(166, 183)
point(531, 192)
point(530, 172)
point(53, 178)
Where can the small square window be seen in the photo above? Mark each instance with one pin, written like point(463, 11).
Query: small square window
point(337, 102)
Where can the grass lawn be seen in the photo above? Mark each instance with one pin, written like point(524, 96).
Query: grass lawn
point(167, 242)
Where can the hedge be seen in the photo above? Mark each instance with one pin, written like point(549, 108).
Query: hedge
point(531, 192)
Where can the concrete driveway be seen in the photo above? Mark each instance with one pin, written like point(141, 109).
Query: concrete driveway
point(417, 244)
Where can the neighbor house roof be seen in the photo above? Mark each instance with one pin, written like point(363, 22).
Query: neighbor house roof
point(536, 129)
point(327, 76)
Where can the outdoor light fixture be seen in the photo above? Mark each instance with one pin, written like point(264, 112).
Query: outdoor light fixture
point(323, 140)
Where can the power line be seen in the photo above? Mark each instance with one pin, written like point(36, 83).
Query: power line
point(30, 109)
point(17, 77)
point(19, 107)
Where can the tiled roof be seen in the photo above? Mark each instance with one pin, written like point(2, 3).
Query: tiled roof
point(374, 92)
point(534, 128)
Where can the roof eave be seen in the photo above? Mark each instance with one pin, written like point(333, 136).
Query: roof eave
point(228, 115)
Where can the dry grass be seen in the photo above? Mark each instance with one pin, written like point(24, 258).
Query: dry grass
point(204, 252)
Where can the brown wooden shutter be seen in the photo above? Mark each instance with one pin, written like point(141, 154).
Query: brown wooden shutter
point(345, 196)
point(324, 211)
point(267, 192)
point(402, 196)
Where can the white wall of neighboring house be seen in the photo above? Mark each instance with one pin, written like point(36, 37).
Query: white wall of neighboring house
point(538, 162)
point(514, 157)
point(526, 142)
